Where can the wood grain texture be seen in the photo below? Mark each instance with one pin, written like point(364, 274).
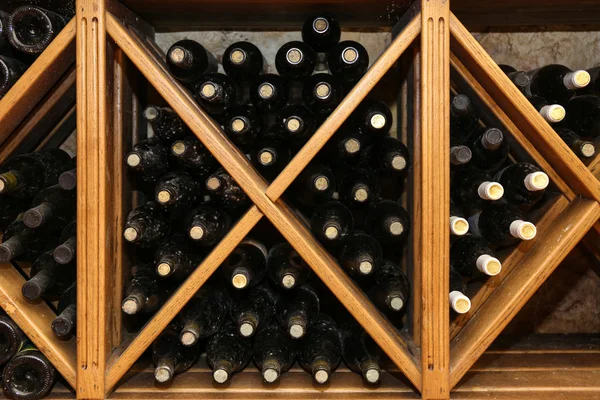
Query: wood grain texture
point(432, 198)
point(39, 78)
point(35, 320)
point(522, 113)
point(508, 265)
point(518, 287)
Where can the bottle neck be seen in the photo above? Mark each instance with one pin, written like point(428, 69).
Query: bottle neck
point(134, 302)
point(370, 370)
point(181, 57)
point(321, 369)
point(222, 370)
point(10, 181)
point(63, 325)
point(297, 324)
point(248, 324)
point(241, 277)
point(10, 249)
point(191, 333)
point(134, 231)
point(65, 253)
point(39, 215)
point(271, 370)
point(165, 369)
point(35, 287)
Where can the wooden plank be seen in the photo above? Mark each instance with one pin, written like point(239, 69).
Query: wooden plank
point(508, 265)
point(35, 320)
point(492, 114)
point(39, 78)
point(542, 361)
point(432, 200)
point(522, 113)
point(518, 287)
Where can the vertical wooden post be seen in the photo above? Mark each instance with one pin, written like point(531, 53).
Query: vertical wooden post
point(433, 170)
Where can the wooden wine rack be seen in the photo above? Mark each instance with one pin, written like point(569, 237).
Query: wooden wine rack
point(112, 46)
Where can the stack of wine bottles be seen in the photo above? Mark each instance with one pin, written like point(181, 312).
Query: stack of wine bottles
point(25, 32)
point(567, 99)
point(26, 372)
point(495, 195)
point(37, 218)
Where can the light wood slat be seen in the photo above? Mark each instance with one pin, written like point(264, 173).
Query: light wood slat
point(346, 107)
point(37, 80)
point(594, 165)
point(508, 265)
point(431, 201)
point(522, 113)
point(181, 297)
point(517, 288)
point(279, 214)
point(465, 80)
point(35, 320)
point(556, 393)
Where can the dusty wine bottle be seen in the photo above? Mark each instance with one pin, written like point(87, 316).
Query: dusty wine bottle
point(52, 205)
point(68, 179)
point(207, 225)
point(254, 311)
point(285, 268)
point(348, 61)
point(391, 289)
point(192, 156)
point(169, 356)
point(274, 353)
point(297, 124)
point(177, 192)
point(521, 80)
point(31, 29)
point(556, 83)
point(242, 125)
point(463, 118)
point(360, 353)
point(315, 185)
point(346, 145)
point(459, 154)
point(226, 191)
point(359, 187)
point(471, 253)
point(489, 148)
point(322, 93)
point(295, 60)
point(165, 123)
point(387, 221)
point(502, 225)
point(459, 226)
point(332, 223)
point(321, 32)
point(243, 61)
point(66, 251)
point(246, 266)
point(360, 255)
point(471, 189)
point(205, 314)
point(64, 325)
point(148, 160)
point(3, 32)
point(298, 311)
point(216, 92)
point(552, 113)
point(12, 339)
point(188, 60)
point(583, 115)
point(175, 258)
point(23, 243)
point(10, 72)
point(388, 156)
point(10, 208)
point(48, 278)
point(269, 92)
point(373, 118)
point(28, 375)
point(271, 155)
point(227, 353)
point(143, 293)
point(459, 302)
point(583, 148)
point(524, 184)
point(146, 225)
point(321, 352)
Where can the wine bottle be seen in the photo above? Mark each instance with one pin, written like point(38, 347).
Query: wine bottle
point(48, 278)
point(583, 116)
point(227, 353)
point(594, 86)
point(524, 184)
point(556, 83)
point(169, 356)
point(10, 208)
point(321, 32)
point(387, 221)
point(348, 61)
point(459, 154)
point(246, 266)
point(28, 375)
point(3, 32)
point(297, 124)
point(471, 189)
point(269, 92)
point(285, 268)
point(295, 60)
point(242, 125)
point(66, 251)
point(360, 255)
point(271, 155)
point(274, 353)
point(552, 113)
point(13, 339)
point(192, 156)
point(188, 60)
point(298, 311)
point(143, 293)
point(10, 72)
point(489, 148)
point(254, 311)
point(391, 289)
point(165, 123)
point(459, 226)
point(205, 314)
point(471, 253)
point(583, 148)
point(175, 258)
point(315, 185)
point(321, 352)
point(206, 225)
point(373, 118)
point(388, 156)
point(521, 80)
point(226, 191)
point(360, 353)
point(322, 93)
point(332, 223)
point(459, 302)
point(346, 145)
point(23, 243)
point(216, 92)
point(64, 325)
point(68, 179)
point(53, 205)
point(148, 160)
point(359, 187)
point(243, 61)
point(31, 29)
point(463, 118)
point(146, 225)
point(502, 225)
point(177, 192)
point(25, 175)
